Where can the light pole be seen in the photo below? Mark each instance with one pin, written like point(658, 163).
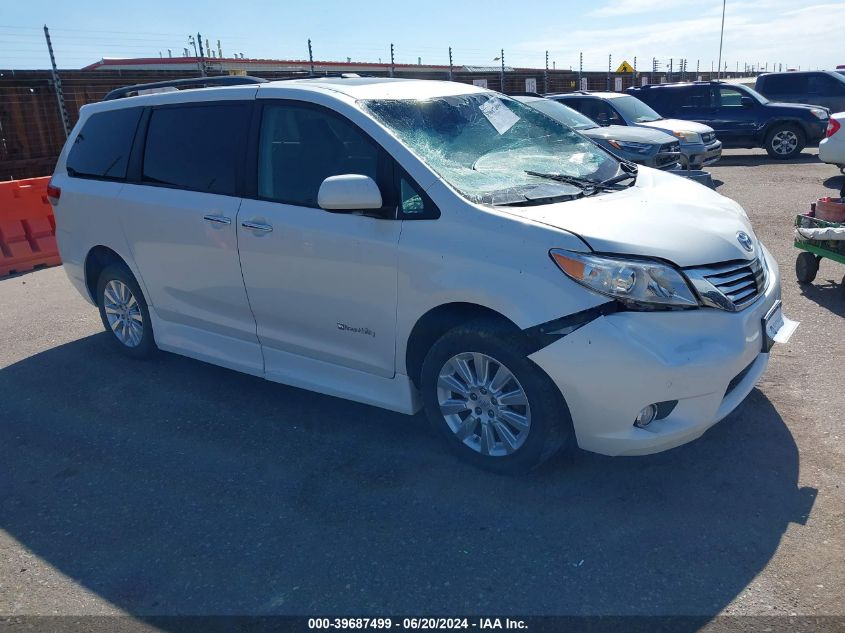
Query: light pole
point(721, 37)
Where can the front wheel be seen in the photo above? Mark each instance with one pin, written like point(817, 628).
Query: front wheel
point(124, 312)
point(784, 142)
point(492, 405)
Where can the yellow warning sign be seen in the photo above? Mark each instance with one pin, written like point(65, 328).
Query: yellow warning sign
point(625, 67)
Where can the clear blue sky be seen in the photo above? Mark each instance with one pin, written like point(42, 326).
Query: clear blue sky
point(773, 31)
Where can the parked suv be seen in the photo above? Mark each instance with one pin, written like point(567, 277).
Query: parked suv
point(699, 145)
point(824, 88)
point(740, 116)
point(640, 145)
point(411, 244)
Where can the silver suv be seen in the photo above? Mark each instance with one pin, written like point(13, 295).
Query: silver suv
point(699, 145)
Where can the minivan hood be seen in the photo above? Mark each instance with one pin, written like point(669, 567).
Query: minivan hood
point(668, 125)
point(663, 216)
point(627, 133)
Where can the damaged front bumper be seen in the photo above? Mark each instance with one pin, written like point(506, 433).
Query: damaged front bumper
point(707, 360)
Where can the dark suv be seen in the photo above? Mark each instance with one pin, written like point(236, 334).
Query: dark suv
point(740, 116)
point(822, 88)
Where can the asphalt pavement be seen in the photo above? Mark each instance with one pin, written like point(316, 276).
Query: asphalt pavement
point(176, 487)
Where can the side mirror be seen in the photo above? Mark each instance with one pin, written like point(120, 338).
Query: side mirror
point(349, 192)
point(747, 102)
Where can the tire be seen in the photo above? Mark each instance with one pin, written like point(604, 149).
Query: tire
point(507, 438)
point(784, 141)
point(806, 267)
point(124, 312)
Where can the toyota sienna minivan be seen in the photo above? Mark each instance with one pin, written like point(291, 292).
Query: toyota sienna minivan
point(419, 245)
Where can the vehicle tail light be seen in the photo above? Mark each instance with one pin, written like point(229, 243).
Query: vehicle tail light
point(832, 127)
point(53, 193)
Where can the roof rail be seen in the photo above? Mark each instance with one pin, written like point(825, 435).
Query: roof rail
point(194, 82)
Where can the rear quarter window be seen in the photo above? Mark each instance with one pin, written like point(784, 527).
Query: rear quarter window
point(101, 149)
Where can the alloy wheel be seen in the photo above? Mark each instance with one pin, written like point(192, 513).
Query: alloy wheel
point(123, 313)
point(484, 404)
point(784, 142)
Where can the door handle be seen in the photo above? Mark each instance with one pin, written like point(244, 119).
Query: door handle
point(257, 226)
point(217, 219)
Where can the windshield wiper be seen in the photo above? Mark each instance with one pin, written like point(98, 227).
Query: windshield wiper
point(586, 185)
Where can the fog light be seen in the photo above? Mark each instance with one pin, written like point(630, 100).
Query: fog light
point(646, 416)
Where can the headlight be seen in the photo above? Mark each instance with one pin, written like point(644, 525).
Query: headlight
point(639, 148)
point(819, 113)
point(689, 137)
point(639, 283)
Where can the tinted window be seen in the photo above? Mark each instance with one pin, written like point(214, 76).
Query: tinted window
point(692, 99)
point(102, 147)
point(301, 146)
point(784, 84)
point(825, 86)
point(197, 147)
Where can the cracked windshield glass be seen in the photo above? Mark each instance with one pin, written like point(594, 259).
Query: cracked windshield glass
point(491, 148)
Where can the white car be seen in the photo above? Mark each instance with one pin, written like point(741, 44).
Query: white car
point(411, 244)
point(832, 146)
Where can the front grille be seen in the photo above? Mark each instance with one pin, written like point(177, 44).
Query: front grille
point(708, 137)
point(741, 282)
point(668, 153)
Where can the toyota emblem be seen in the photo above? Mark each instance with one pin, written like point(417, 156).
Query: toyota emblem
point(745, 241)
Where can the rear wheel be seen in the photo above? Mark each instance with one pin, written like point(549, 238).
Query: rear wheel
point(784, 141)
point(806, 267)
point(493, 406)
point(124, 312)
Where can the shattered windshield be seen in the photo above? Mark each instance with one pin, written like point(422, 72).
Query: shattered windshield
point(485, 145)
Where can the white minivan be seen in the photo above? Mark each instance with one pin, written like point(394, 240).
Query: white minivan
point(419, 244)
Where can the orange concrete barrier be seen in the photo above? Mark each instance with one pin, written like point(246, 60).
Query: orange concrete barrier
point(27, 226)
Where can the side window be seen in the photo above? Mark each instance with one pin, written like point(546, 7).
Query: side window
point(101, 149)
point(575, 104)
point(613, 117)
point(414, 203)
point(785, 84)
point(695, 99)
point(728, 98)
point(197, 147)
point(601, 112)
point(300, 146)
point(825, 86)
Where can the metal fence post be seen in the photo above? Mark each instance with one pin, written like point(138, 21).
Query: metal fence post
point(310, 57)
point(502, 79)
point(580, 68)
point(392, 64)
point(57, 85)
point(450, 64)
point(546, 75)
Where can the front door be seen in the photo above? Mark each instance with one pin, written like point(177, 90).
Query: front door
point(322, 285)
point(733, 122)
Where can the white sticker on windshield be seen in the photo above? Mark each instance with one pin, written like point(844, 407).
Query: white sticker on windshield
point(498, 114)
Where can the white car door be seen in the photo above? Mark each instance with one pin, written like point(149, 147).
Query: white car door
point(322, 285)
point(179, 221)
